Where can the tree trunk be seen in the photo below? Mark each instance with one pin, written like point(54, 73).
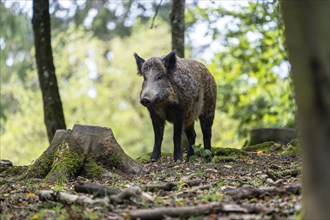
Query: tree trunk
point(53, 111)
point(307, 34)
point(178, 27)
point(89, 151)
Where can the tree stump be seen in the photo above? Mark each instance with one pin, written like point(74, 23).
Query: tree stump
point(280, 135)
point(90, 151)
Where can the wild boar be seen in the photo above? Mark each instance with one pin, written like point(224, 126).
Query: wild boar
point(179, 91)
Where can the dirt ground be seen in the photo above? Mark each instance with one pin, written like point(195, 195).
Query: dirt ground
point(257, 184)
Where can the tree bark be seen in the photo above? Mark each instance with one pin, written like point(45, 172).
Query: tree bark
point(307, 34)
point(53, 111)
point(89, 151)
point(178, 27)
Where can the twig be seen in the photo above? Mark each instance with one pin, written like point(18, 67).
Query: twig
point(156, 12)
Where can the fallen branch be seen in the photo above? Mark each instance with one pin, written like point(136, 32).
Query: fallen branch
point(249, 192)
point(282, 174)
point(96, 190)
point(186, 211)
point(69, 198)
point(160, 213)
point(210, 185)
point(169, 186)
point(131, 192)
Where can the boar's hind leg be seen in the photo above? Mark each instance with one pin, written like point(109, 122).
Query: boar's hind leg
point(206, 126)
point(191, 135)
point(158, 125)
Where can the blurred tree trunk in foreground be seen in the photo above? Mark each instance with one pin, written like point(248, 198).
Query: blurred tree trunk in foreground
point(307, 34)
point(53, 111)
point(178, 27)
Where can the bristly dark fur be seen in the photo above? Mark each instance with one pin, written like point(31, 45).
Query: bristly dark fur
point(179, 91)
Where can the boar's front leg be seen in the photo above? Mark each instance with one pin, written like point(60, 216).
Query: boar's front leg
point(158, 125)
point(178, 126)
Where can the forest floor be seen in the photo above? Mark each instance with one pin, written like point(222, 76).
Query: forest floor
point(263, 183)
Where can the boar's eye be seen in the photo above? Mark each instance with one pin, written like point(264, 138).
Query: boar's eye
point(159, 77)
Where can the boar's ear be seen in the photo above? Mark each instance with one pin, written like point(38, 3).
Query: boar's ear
point(170, 61)
point(139, 63)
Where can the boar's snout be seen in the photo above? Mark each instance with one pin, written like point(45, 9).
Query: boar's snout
point(145, 101)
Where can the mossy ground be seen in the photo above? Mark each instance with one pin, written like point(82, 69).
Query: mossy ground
point(243, 169)
point(290, 149)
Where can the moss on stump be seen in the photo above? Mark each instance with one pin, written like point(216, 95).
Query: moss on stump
point(90, 151)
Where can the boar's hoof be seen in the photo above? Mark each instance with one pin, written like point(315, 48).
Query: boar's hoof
point(178, 156)
point(155, 157)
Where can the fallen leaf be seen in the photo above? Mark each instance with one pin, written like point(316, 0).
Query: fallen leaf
point(35, 217)
point(30, 195)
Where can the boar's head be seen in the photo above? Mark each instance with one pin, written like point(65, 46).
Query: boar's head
point(157, 73)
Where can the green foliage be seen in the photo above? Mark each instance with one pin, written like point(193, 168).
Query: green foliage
point(58, 187)
point(94, 90)
point(211, 197)
point(58, 211)
point(200, 152)
point(253, 83)
point(15, 59)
